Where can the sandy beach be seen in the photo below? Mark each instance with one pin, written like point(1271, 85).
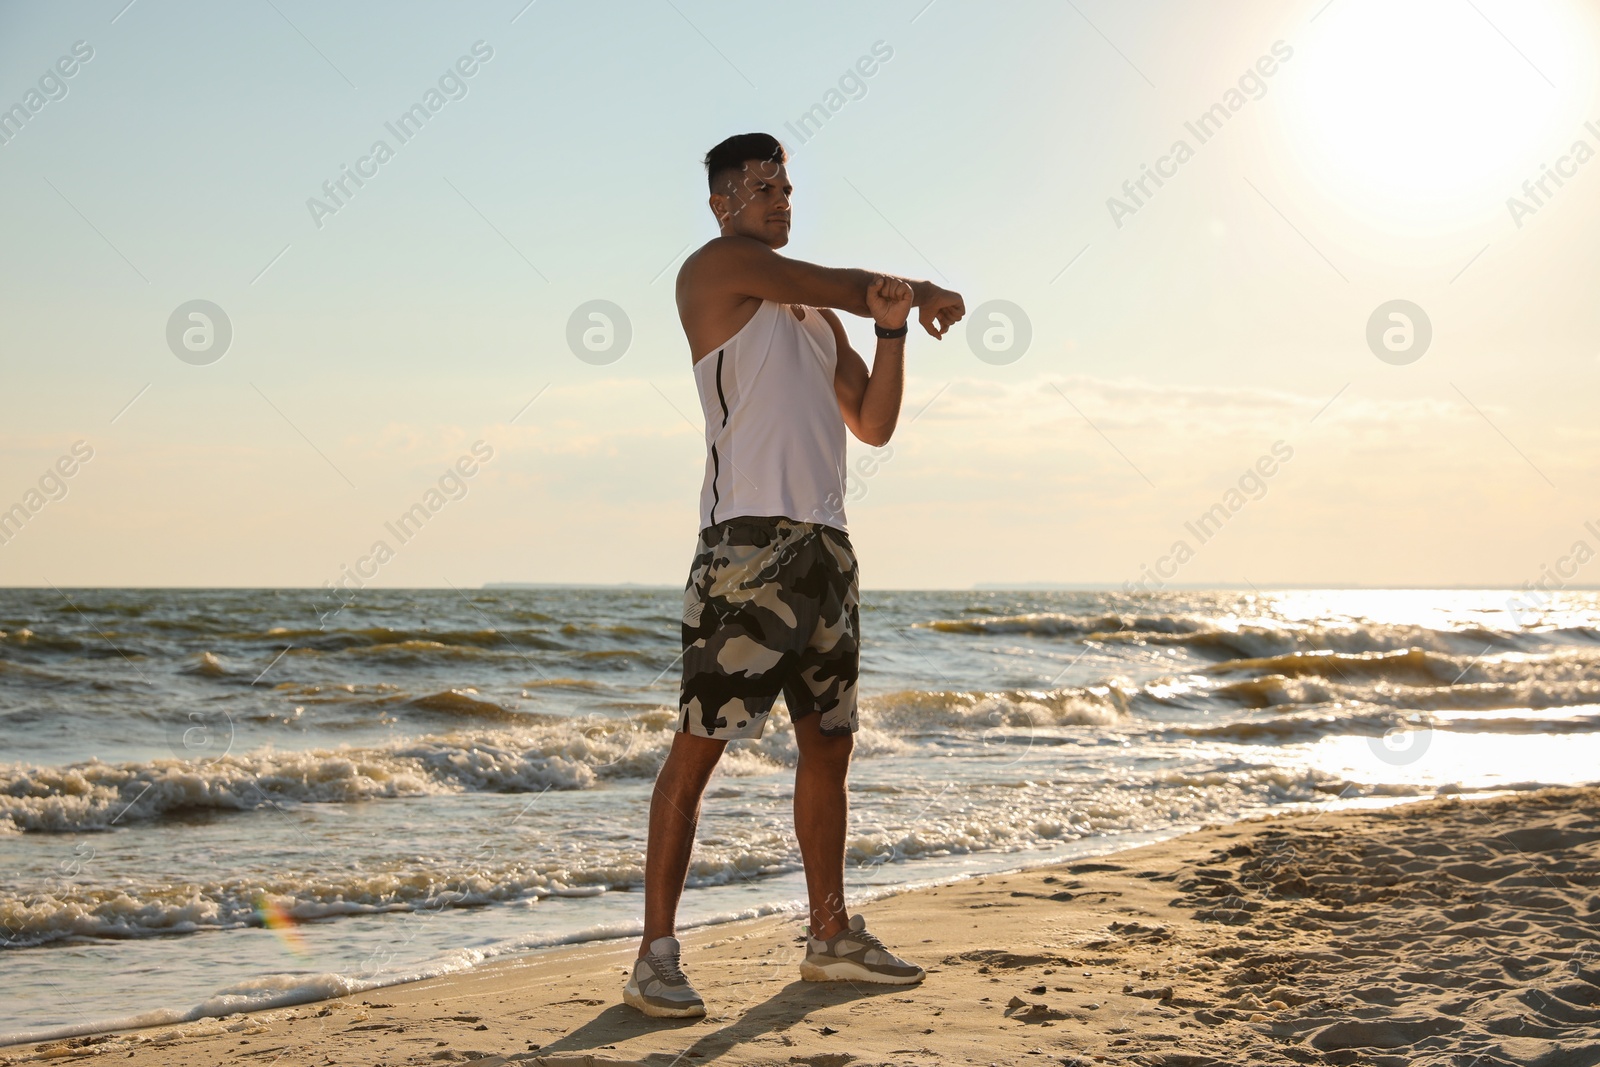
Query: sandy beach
point(1438, 932)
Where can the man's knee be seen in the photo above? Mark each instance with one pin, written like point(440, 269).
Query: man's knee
point(818, 747)
point(692, 758)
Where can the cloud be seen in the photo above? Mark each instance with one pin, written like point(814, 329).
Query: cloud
point(1084, 420)
point(591, 419)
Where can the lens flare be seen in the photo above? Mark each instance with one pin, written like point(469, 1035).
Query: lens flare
point(281, 923)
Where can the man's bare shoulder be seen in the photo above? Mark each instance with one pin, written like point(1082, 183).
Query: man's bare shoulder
point(721, 253)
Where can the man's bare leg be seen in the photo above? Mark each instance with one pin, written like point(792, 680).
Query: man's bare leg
point(820, 810)
point(674, 815)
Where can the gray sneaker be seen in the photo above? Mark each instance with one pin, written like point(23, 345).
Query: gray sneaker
point(658, 986)
point(854, 955)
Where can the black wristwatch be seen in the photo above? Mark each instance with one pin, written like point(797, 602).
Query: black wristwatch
point(890, 335)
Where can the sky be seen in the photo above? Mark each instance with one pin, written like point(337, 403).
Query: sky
point(1348, 338)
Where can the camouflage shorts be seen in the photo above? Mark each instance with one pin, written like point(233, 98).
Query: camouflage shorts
point(771, 606)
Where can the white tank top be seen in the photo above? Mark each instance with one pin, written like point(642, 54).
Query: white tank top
point(774, 437)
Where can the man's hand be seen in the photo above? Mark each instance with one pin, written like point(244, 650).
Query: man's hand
point(889, 301)
point(940, 310)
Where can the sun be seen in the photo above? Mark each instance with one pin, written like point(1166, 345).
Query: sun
point(1423, 114)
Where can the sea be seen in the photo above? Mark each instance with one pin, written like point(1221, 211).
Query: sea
point(219, 800)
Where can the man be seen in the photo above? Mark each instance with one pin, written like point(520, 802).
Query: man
point(772, 601)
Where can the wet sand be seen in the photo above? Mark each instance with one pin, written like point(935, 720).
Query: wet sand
point(1442, 932)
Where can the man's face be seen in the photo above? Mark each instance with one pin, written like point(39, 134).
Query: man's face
point(757, 203)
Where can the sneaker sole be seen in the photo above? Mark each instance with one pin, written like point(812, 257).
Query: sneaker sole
point(850, 971)
point(661, 1011)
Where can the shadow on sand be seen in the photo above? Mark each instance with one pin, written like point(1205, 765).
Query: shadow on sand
point(727, 1027)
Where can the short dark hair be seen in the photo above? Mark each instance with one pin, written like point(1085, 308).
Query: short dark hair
point(733, 153)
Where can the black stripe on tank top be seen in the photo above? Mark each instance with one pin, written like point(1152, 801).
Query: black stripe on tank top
point(716, 464)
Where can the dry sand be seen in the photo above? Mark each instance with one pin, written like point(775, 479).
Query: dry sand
point(1444, 932)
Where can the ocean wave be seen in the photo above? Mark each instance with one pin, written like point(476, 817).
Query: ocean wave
point(1415, 665)
point(583, 629)
point(910, 711)
point(1227, 640)
point(1262, 642)
point(1413, 678)
point(1052, 623)
point(1312, 726)
point(1274, 784)
point(542, 751)
point(1279, 691)
point(602, 655)
point(418, 650)
point(339, 639)
point(25, 638)
point(348, 693)
point(130, 910)
point(97, 796)
point(384, 637)
point(205, 665)
point(465, 704)
point(1019, 816)
point(375, 641)
point(12, 673)
point(581, 685)
point(1298, 728)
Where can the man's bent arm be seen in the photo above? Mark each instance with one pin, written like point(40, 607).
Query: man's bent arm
point(869, 402)
point(886, 389)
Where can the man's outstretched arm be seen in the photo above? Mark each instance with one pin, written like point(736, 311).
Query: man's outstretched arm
point(745, 267)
